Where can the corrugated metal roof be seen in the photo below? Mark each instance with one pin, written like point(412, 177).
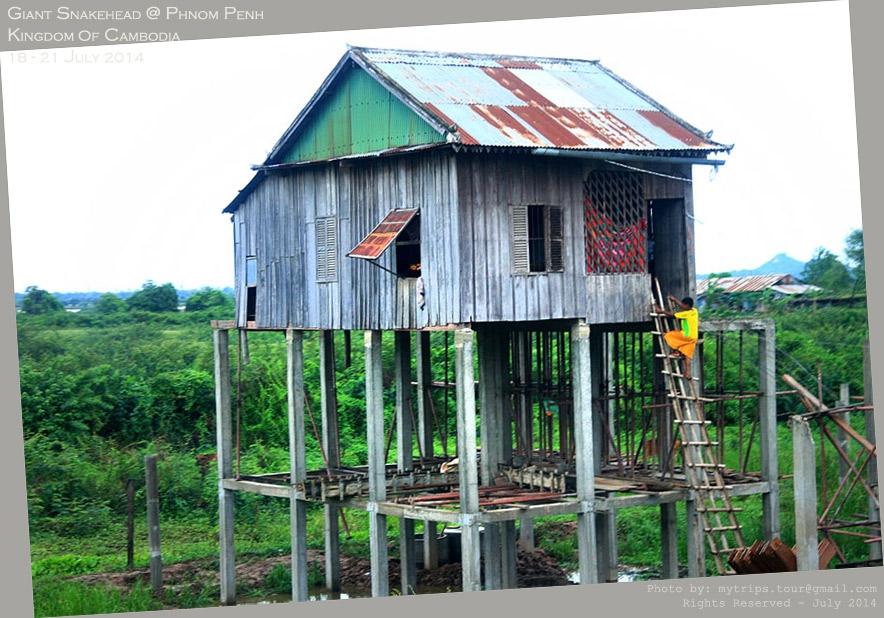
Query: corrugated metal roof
point(751, 283)
point(495, 100)
point(795, 288)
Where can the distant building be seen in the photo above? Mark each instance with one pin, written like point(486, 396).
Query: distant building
point(747, 291)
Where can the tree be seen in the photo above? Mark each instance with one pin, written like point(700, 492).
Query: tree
point(109, 303)
point(39, 301)
point(208, 298)
point(828, 272)
point(152, 297)
point(856, 255)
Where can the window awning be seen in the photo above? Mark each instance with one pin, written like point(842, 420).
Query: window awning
point(382, 236)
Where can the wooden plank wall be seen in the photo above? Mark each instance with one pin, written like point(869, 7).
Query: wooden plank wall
point(465, 201)
point(276, 224)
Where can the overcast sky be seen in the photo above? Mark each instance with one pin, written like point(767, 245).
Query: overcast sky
point(118, 171)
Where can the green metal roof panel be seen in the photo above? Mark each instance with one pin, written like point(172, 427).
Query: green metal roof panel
point(359, 116)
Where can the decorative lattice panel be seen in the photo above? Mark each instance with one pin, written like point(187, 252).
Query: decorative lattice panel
point(616, 220)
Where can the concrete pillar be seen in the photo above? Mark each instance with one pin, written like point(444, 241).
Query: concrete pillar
point(669, 540)
point(297, 461)
point(767, 426)
point(425, 431)
point(804, 468)
point(224, 434)
point(843, 440)
point(467, 467)
point(606, 533)
point(526, 534)
point(331, 446)
point(491, 393)
point(377, 482)
point(581, 380)
point(695, 540)
point(509, 555)
point(874, 510)
point(404, 447)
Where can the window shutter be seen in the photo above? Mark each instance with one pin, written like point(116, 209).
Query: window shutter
point(556, 239)
point(320, 250)
point(519, 228)
point(331, 249)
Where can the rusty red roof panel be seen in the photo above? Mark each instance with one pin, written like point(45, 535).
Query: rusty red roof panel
point(495, 100)
point(382, 236)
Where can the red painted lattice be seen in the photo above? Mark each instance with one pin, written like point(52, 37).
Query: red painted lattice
point(615, 216)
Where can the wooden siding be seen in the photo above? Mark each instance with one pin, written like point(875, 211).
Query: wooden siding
point(467, 270)
point(276, 224)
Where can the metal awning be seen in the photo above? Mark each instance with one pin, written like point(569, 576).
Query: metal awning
point(382, 236)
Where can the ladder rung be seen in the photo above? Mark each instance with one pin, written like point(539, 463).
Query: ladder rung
point(700, 443)
point(692, 422)
point(705, 465)
point(679, 375)
point(719, 509)
point(691, 398)
point(721, 528)
point(715, 487)
point(729, 550)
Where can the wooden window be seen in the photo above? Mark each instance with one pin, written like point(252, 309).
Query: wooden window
point(251, 287)
point(326, 249)
point(537, 239)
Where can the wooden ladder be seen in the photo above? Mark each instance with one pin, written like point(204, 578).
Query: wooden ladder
point(702, 470)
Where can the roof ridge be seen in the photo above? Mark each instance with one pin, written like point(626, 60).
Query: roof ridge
point(428, 52)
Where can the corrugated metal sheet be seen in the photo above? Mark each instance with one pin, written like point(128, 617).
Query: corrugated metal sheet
point(795, 289)
point(358, 116)
point(382, 236)
point(752, 283)
point(541, 102)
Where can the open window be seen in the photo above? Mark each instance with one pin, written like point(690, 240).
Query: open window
point(537, 238)
point(251, 287)
point(402, 227)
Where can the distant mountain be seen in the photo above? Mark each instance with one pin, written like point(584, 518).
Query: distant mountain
point(780, 263)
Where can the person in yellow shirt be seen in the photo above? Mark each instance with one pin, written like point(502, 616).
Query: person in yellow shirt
point(683, 340)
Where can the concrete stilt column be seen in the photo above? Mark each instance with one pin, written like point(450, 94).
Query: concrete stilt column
point(224, 429)
point(767, 425)
point(695, 539)
point(377, 485)
point(467, 466)
point(404, 446)
point(581, 380)
point(606, 534)
point(669, 540)
point(297, 461)
point(425, 431)
point(874, 510)
point(804, 468)
point(331, 446)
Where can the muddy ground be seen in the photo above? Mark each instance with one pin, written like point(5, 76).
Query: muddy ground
point(534, 568)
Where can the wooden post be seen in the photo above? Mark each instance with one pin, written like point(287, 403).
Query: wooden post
point(153, 526)
point(584, 457)
point(874, 511)
point(466, 450)
point(377, 481)
point(130, 524)
point(297, 461)
point(669, 540)
point(695, 539)
point(224, 437)
point(404, 455)
point(425, 435)
point(804, 468)
point(767, 425)
point(331, 445)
